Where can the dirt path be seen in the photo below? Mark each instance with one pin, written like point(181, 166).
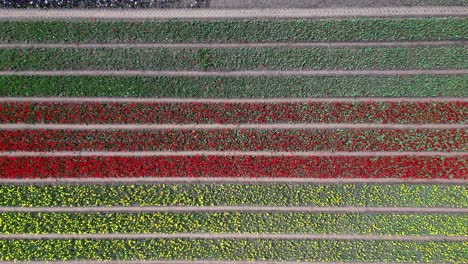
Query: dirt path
point(232, 45)
point(239, 236)
point(232, 100)
point(183, 262)
point(326, 3)
point(234, 153)
point(185, 180)
point(294, 126)
point(143, 14)
point(265, 209)
point(236, 73)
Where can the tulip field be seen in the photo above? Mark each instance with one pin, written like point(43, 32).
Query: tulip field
point(232, 139)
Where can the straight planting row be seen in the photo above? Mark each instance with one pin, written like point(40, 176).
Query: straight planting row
point(234, 113)
point(235, 87)
point(230, 249)
point(407, 167)
point(234, 140)
point(228, 222)
point(234, 59)
point(248, 30)
point(272, 194)
point(257, 223)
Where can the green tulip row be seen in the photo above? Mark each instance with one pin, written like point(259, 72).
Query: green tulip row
point(236, 194)
point(249, 30)
point(234, 249)
point(234, 87)
point(234, 222)
point(234, 59)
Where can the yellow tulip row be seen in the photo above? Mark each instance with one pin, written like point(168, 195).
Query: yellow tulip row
point(234, 222)
point(236, 194)
point(234, 249)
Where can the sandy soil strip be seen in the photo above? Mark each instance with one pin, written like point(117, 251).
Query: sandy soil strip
point(295, 126)
point(231, 100)
point(266, 209)
point(232, 45)
point(185, 180)
point(234, 153)
point(184, 262)
point(142, 14)
point(237, 73)
point(322, 3)
point(238, 236)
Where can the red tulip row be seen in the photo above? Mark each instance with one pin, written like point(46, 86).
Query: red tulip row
point(237, 140)
point(187, 113)
point(236, 166)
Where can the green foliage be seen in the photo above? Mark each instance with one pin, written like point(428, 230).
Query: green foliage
point(234, 87)
point(282, 30)
point(234, 59)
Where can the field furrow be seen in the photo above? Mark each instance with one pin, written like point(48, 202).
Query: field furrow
point(218, 45)
point(238, 209)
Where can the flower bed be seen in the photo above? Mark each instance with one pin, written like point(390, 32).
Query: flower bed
point(233, 249)
point(236, 166)
point(241, 194)
point(233, 222)
point(228, 113)
point(238, 140)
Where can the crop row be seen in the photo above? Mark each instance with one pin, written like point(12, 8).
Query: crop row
point(249, 30)
point(233, 59)
point(235, 140)
point(234, 87)
point(228, 249)
point(360, 195)
point(420, 167)
point(189, 113)
point(228, 222)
